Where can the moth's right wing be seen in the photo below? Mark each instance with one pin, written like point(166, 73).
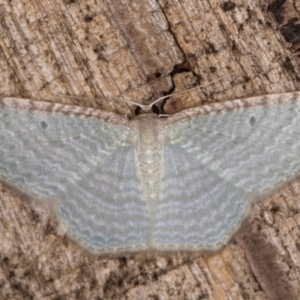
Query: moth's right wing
point(217, 159)
point(197, 208)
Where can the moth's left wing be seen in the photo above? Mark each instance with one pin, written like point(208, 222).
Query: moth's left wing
point(81, 158)
point(46, 147)
point(105, 209)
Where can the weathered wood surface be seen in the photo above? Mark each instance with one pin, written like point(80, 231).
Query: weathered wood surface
point(106, 50)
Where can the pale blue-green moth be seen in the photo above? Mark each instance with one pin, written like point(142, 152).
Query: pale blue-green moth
point(184, 182)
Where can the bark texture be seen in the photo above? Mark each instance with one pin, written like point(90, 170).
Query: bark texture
point(105, 50)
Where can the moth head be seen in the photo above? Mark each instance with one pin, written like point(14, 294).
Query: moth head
point(153, 108)
point(142, 109)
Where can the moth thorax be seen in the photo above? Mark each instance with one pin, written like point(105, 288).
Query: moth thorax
point(149, 159)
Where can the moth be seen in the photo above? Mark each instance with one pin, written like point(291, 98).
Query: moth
point(185, 182)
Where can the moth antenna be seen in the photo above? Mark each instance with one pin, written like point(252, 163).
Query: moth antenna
point(121, 100)
point(71, 97)
point(144, 107)
point(188, 90)
point(148, 107)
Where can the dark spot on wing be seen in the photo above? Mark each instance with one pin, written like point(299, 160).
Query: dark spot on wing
point(252, 120)
point(44, 124)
